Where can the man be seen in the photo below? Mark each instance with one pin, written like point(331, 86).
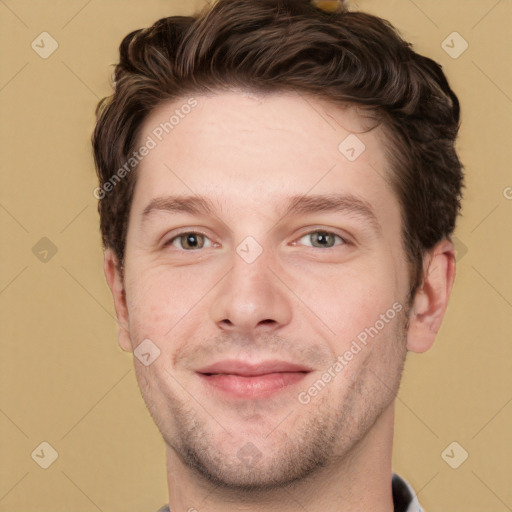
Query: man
point(278, 188)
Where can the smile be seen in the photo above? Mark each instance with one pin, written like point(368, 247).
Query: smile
point(238, 379)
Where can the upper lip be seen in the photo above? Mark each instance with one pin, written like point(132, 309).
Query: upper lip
point(238, 367)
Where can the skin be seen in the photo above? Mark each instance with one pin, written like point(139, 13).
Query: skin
point(303, 300)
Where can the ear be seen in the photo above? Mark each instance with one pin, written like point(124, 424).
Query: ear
point(431, 298)
point(116, 285)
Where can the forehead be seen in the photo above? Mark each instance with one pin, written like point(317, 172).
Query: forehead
point(257, 149)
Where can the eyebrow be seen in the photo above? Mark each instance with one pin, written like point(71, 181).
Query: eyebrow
point(179, 204)
point(294, 205)
point(336, 203)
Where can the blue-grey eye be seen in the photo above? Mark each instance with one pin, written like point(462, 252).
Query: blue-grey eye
point(321, 239)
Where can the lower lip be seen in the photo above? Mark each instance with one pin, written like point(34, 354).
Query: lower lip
point(256, 386)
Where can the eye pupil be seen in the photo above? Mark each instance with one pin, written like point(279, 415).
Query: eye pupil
point(323, 238)
point(192, 241)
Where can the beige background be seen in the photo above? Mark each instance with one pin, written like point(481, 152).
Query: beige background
point(65, 381)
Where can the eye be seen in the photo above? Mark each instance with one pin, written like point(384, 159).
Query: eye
point(190, 241)
point(322, 239)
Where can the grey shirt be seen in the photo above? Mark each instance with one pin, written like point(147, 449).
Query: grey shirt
point(404, 497)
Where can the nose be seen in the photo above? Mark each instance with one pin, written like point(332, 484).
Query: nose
point(250, 299)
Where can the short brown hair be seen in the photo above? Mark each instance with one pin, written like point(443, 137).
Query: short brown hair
point(284, 46)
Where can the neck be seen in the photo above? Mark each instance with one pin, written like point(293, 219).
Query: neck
point(359, 481)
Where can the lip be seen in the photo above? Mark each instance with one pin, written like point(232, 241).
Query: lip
point(239, 379)
point(238, 367)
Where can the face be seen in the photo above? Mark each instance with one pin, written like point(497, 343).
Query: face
point(266, 269)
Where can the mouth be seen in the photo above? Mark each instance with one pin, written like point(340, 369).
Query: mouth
point(238, 379)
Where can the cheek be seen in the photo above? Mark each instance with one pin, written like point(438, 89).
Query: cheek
point(347, 299)
point(147, 301)
point(337, 300)
point(161, 299)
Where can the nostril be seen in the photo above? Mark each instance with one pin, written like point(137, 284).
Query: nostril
point(226, 323)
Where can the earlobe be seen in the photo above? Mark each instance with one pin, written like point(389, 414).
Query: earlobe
point(116, 285)
point(431, 299)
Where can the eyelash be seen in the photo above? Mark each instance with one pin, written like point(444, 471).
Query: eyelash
point(309, 233)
